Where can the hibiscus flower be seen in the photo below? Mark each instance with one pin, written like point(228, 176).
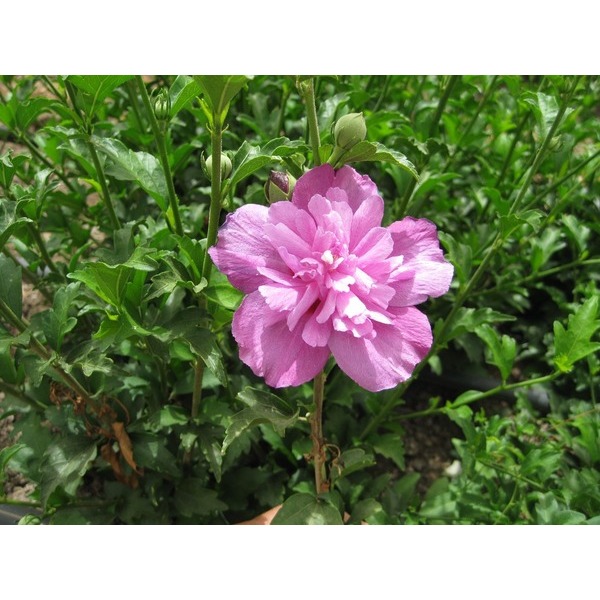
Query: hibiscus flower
point(322, 277)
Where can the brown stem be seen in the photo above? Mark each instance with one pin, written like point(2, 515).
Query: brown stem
point(316, 434)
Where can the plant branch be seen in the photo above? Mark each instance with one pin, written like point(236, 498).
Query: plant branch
point(162, 152)
point(316, 434)
point(307, 91)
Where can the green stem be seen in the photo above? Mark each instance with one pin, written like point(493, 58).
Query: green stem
point(162, 152)
point(541, 153)
point(35, 234)
point(316, 434)
point(477, 398)
point(114, 220)
point(433, 127)
point(197, 390)
point(511, 150)
point(133, 102)
point(384, 92)
point(570, 174)
point(216, 138)
point(21, 325)
point(402, 208)
point(467, 130)
point(7, 388)
point(541, 275)
point(307, 91)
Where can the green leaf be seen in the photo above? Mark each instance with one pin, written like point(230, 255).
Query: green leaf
point(9, 165)
point(203, 343)
point(351, 461)
point(503, 349)
point(545, 246)
point(459, 254)
point(575, 342)
point(150, 452)
point(263, 407)
point(31, 109)
point(168, 416)
point(6, 454)
point(106, 281)
point(10, 222)
point(469, 319)
point(64, 464)
point(141, 167)
point(306, 509)
point(219, 290)
point(182, 92)
point(391, 446)
point(510, 223)
point(218, 90)
point(192, 498)
point(249, 159)
point(98, 87)
point(376, 152)
point(56, 322)
point(10, 285)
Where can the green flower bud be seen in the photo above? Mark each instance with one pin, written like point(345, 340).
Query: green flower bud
point(279, 186)
point(349, 130)
point(226, 167)
point(162, 106)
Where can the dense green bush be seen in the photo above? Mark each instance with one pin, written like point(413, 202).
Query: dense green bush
point(131, 403)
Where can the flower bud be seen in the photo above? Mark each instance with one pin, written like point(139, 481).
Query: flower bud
point(279, 186)
point(162, 106)
point(226, 167)
point(349, 130)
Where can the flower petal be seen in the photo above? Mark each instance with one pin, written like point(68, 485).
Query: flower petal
point(424, 272)
point(388, 358)
point(242, 248)
point(367, 216)
point(270, 349)
point(357, 187)
point(315, 181)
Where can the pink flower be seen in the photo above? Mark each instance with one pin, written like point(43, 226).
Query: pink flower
point(322, 276)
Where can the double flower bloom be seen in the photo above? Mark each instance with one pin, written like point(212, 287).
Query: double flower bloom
point(323, 277)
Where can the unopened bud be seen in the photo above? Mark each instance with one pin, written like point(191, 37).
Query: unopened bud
point(162, 106)
point(350, 130)
point(226, 167)
point(279, 186)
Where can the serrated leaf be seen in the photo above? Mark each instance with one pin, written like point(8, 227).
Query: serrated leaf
point(376, 152)
point(192, 498)
point(182, 93)
point(575, 342)
point(10, 285)
point(545, 246)
point(64, 463)
point(503, 350)
point(151, 453)
point(141, 167)
point(306, 509)
point(56, 322)
point(263, 407)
